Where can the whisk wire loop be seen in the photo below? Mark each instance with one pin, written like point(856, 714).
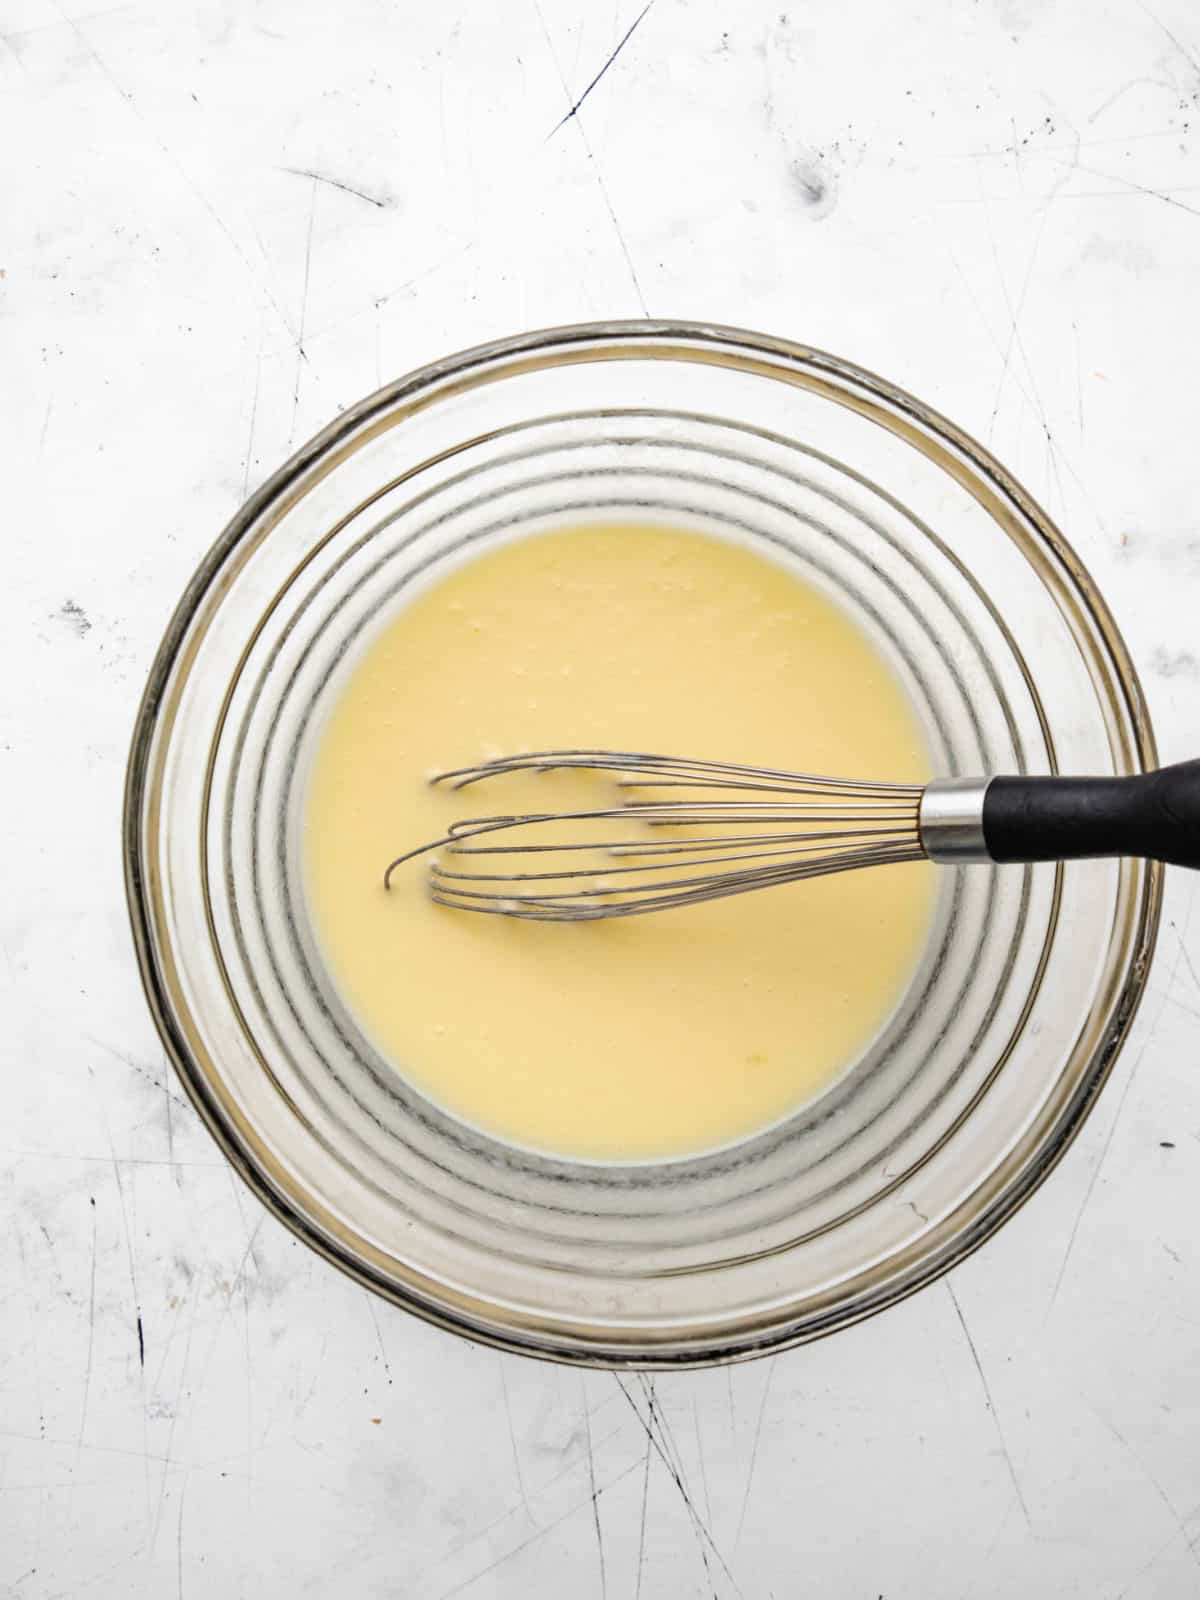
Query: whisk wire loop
point(782, 827)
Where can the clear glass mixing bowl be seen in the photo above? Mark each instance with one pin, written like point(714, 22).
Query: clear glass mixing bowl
point(978, 1082)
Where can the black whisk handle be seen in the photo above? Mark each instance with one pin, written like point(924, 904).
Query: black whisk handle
point(1154, 814)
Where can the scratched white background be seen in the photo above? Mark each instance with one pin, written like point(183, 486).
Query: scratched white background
point(220, 223)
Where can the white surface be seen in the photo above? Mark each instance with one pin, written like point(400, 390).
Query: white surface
point(996, 205)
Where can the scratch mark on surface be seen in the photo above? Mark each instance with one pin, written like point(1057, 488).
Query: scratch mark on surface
point(180, 1391)
point(483, 1529)
point(987, 1395)
point(103, 1449)
point(387, 1366)
point(141, 1342)
point(758, 1427)
point(318, 1368)
point(512, 1439)
point(1119, 94)
point(1016, 153)
point(128, 1245)
point(336, 183)
point(641, 1560)
point(703, 1462)
point(300, 355)
point(997, 341)
point(253, 418)
point(541, 1533)
point(1179, 45)
point(1052, 450)
point(179, 1542)
point(653, 1431)
point(136, 1306)
point(1015, 341)
point(1012, 334)
point(1148, 1565)
point(410, 283)
point(666, 1433)
point(107, 1161)
point(175, 1172)
point(603, 187)
point(1174, 1515)
point(176, 165)
point(406, 287)
point(587, 1428)
point(87, 1375)
point(45, 424)
point(243, 1282)
point(621, 240)
point(233, 1288)
point(142, 1071)
point(629, 33)
point(1137, 188)
point(1183, 951)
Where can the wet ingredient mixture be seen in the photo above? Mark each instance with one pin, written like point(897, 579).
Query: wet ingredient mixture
point(645, 1036)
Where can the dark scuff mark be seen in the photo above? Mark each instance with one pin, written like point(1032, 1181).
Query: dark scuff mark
point(75, 617)
point(816, 186)
point(383, 203)
point(1166, 1144)
point(1174, 664)
point(631, 30)
point(141, 1341)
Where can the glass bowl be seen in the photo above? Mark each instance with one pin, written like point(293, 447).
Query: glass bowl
point(983, 1074)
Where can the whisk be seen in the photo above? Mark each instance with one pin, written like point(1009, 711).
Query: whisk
point(726, 829)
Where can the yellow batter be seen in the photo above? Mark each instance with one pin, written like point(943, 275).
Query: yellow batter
point(644, 1036)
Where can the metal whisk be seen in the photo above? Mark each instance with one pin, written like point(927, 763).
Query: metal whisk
point(727, 829)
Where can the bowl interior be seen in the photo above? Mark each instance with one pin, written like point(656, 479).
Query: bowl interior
point(981, 1075)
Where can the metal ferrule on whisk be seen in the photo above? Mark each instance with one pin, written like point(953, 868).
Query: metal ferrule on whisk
point(950, 819)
